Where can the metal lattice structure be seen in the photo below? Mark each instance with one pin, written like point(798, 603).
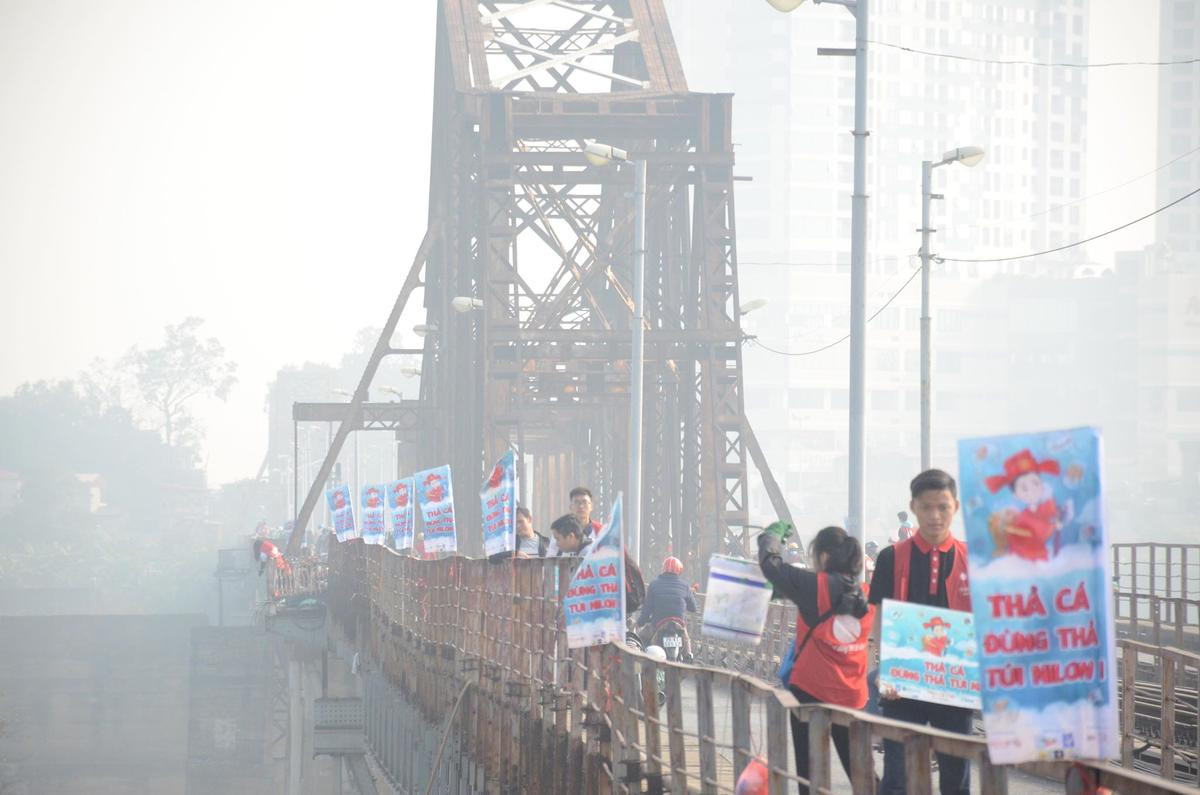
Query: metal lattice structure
point(520, 221)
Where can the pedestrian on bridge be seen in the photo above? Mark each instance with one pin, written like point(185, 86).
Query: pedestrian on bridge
point(833, 623)
point(928, 568)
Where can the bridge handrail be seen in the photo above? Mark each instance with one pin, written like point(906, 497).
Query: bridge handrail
point(430, 627)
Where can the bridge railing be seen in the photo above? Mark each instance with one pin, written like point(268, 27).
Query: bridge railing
point(304, 577)
point(483, 643)
point(1153, 569)
point(1161, 620)
point(1159, 713)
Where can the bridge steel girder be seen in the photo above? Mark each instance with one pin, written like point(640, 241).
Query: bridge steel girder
point(518, 220)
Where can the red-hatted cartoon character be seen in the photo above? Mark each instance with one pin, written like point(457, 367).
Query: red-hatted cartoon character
point(373, 498)
point(497, 476)
point(1024, 533)
point(339, 500)
point(400, 494)
point(936, 642)
point(435, 489)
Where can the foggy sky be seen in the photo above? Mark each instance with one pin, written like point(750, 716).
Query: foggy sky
point(265, 166)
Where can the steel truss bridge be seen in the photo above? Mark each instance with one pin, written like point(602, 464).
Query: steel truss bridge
point(520, 222)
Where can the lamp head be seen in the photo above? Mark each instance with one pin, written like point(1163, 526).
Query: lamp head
point(785, 5)
point(599, 154)
point(462, 303)
point(751, 305)
point(424, 329)
point(967, 155)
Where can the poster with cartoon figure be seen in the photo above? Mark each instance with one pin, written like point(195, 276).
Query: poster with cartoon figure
point(341, 511)
point(1041, 595)
point(498, 500)
point(400, 508)
point(436, 500)
point(594, 605)
point(374, 527)
point(928, 654)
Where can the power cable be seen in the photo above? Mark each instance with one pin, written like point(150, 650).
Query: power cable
point(1018, 62)
point(1077, 242)
point(1054, 207)
point(837, 342)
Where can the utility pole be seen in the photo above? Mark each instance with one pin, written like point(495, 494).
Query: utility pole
point(858, 280)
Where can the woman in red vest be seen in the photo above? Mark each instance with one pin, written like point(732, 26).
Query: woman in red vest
point(833, 625)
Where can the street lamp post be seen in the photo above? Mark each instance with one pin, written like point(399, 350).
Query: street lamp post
point(858, 257)
point(968, 156)
point(599, 154)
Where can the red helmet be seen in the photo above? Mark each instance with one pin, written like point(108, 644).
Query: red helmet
point(672, 565)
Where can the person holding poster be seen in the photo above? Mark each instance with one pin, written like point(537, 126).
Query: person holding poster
point(1040, 583)
point(832, 626)
point(498, 500)
point(928, 568)
point(594, 606)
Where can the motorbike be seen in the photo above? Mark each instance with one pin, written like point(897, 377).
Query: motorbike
point(671, 636)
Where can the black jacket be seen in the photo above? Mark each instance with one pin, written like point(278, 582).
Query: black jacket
point(667, 597)
point(800, 585)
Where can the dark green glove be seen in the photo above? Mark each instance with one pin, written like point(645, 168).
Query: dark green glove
point(780, 530)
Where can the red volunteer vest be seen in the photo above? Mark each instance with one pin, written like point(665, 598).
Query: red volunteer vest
point(958, 591)
point(833, 665)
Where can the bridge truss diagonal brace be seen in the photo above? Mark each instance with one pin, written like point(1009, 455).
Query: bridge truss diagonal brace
point(354, 409)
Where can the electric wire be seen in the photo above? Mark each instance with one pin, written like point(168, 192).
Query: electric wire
point(1066, 246)
point(1022, 62)
point(908, 281)
point(837, 342)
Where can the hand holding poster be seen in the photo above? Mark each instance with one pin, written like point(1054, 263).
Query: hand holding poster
point(594, 606)
point(1040, 591)
point(436, 498)
point(928, 654)
point(341, 510)
point(498, 498)
point(400, 506)
point(373, 522)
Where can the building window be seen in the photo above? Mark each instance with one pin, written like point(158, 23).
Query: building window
point(949, 362)
point(806, 399)
point(885, 400)
point(1187, 399)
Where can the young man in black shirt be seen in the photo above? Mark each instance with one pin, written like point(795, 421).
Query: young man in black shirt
point(929, 568)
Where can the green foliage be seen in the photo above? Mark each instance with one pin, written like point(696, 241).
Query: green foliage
point(170, 377)
point(56, 430)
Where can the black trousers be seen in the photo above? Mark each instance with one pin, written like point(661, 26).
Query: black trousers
point(954, 774)
point(839, 734)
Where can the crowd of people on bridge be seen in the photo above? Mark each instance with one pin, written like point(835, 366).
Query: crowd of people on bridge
point(837, 616)
point(836, 613)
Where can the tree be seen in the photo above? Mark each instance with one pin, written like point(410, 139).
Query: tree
point(169, 377)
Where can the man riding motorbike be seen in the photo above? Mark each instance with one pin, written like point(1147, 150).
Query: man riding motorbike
point(667, 598)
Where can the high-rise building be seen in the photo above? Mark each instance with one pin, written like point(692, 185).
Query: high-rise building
point(793, 111)
point(1179, 126)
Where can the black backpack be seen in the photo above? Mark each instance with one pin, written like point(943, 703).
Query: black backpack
point(635, 586)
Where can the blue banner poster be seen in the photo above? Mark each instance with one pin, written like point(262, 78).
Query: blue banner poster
point(929, 654)
point(374, 525)
point(595, 602)
point(341, 511)
point(1041, 594)
point(436, 499)
point(498, 498)
point(400, 507)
